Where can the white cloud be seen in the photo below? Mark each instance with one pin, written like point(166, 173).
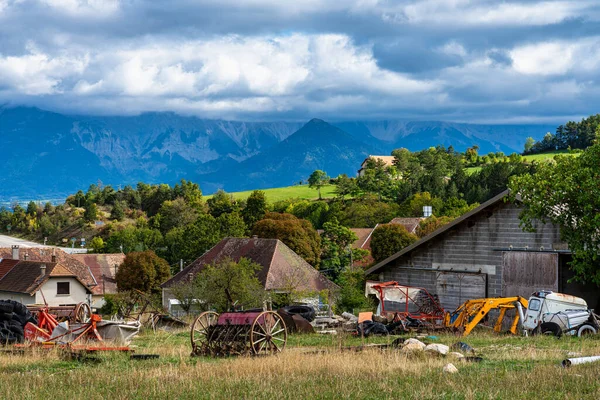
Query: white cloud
point(454, 49)
point(88, 8)
point(255, 74)
point(467, 12)
point(37, 73)
point(557, 57)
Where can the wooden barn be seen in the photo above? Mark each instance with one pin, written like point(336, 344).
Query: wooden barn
point(485, 253)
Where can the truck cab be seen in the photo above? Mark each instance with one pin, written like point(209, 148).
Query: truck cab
point(556, 312)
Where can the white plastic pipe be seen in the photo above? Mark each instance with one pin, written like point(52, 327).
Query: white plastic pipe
point(579, 360)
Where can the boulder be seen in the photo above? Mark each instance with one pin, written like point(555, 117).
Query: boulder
point(413, 345)
point(437, 348)
point(456, 355)
point(450, 368)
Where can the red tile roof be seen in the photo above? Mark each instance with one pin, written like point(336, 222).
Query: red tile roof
point(103, 267)
point(410, 224)
point(6, 265)
point(26, 276)
point(282, 267)
point(44, 254)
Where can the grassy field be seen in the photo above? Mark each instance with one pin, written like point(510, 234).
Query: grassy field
point(532, 157)
point(512, 368)
point(289, 192)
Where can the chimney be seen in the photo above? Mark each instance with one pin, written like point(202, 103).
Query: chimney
point(54, 255)
point(15, 252)
point(43, 269)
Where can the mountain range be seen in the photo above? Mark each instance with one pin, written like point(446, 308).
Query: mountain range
point(50, 155)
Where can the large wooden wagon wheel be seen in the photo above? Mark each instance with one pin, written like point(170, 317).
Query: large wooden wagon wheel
point(268, 334)
point(199, 333)
point(82, 312)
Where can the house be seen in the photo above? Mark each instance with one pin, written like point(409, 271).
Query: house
point(282, 269)
point(37, 282)
point(411, 224)
point(388, 161)
point(44, 275)
point(364, 237)
point(103, 268)
point(485, 253)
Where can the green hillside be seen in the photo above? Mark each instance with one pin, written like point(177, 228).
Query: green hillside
point(289, 192)
point(533, 157)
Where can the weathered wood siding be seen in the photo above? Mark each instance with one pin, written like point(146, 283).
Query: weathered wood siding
point(469, 247)
point(526, 272)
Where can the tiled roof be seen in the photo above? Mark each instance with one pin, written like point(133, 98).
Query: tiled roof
point(6, 265)
point(103, 267)
point(282, 267)
point(45, 255)
point(410, 224)
point(26, 276)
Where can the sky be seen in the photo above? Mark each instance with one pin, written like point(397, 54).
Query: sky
point(455, 60)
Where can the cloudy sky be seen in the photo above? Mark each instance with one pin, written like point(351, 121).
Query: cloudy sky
point(461, 60)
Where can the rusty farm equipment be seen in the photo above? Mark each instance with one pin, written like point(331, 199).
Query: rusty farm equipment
point(252, 332)
point(411, 307)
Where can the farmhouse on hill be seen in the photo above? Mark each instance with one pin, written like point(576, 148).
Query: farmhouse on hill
point(388, 160)
point(485, 253)
point(39, 282)
point(283, 270)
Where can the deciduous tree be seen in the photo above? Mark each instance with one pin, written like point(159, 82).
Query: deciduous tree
point(388, 239)
point(143, 271)
point(566, 192)
point(317, 180)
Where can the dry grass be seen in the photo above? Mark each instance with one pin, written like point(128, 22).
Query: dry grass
point(512, 368)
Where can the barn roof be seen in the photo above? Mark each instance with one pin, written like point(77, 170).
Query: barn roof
point(282, 267)
point(496, 199)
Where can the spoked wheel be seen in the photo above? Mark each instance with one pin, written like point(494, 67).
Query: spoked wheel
point(82, 313)
point(268, 334)
point(199, 333)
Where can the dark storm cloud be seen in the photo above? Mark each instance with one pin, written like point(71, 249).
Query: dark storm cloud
point(269, 59)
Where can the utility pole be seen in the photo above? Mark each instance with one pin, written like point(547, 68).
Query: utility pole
point(180, 264)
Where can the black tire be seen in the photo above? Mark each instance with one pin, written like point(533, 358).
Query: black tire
point(551, 328)
point(19, 308)
point(6, 316)
point(6, 307)
point(306, 312)
point(16, 328)
point(21, 320)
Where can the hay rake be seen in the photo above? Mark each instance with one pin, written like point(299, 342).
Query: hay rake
point(252, 332)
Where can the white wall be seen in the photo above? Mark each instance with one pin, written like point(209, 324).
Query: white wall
point(20, 297)
point(97, 301)
point(77, 293)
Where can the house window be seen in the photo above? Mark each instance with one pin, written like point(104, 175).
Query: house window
point(63, 288)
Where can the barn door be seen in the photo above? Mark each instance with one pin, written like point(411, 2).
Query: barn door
point(526, 272)
point(454, 288)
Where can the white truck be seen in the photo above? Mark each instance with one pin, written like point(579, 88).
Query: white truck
point(557, 314)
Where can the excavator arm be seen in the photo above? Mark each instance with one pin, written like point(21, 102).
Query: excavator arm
point(469, 314)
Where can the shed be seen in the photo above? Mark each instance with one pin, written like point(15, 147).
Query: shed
point(486, 253)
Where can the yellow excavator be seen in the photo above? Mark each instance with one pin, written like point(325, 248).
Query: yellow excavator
point(472, 312)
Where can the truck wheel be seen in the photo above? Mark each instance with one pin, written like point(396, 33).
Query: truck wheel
point(551, 328)
point(586, 330)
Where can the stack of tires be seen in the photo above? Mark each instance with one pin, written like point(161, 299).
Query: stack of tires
point(13, 317)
